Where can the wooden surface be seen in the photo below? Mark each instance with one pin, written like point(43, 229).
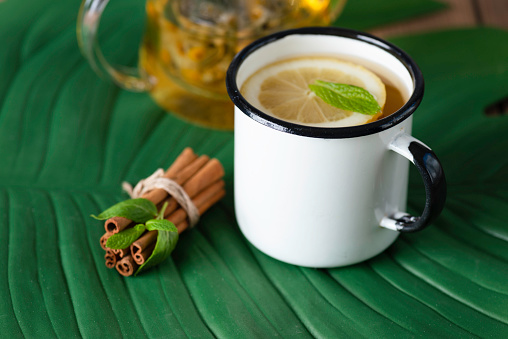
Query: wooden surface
point(460, 13)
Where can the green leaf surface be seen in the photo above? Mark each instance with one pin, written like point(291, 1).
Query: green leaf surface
point(367, 14)
point(166, 243)
point(68, 139)
point(346, 97)
point(138, 210)
point(124, 239)
point(160, 225)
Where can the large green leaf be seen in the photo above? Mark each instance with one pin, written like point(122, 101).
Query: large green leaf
point(66, 141)
point(366, 14)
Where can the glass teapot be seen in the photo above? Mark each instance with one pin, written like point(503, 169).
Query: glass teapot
point(188, 45)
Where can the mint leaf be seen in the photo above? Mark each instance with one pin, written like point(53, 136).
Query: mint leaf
point(125, 238)
point(160, 216)
point(166, 243)
point(346, 97)
point(138, 210)
point(160, 225)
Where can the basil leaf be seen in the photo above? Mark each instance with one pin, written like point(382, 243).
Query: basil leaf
point(138, 210)
point(125, 238)
point(346, 97)
point(160, 225)
point(166, 243)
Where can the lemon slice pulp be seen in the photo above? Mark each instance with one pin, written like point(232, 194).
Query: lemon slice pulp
point(281, 89)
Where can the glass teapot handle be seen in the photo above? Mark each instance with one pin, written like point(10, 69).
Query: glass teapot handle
point(87, 27)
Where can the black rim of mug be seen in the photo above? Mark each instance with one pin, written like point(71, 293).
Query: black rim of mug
point(327, 132)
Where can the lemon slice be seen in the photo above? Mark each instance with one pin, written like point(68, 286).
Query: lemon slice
point(282, 90)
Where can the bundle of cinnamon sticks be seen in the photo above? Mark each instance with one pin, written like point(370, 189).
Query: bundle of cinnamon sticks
point(201, 179)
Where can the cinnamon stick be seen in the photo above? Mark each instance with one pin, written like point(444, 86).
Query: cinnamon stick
point(210, 173)
point(186, 158)
point(104, 239)
point(111, 258)
point(158, 195)
point(207, 175)
point(116, 224)
point(122, 252)
point(215, 197)
point(141, 257)
point(143, 242)
point(126, 266)
point(199, 200)
point(182, 226)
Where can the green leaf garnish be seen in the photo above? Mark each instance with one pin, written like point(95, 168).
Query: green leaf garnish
point(166, 243)
point(160, 216)
point(160, 225)
point(346, 97)
point(125, 238)
point(138, 210)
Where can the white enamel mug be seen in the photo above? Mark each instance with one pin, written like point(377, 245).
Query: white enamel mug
point(328, 197)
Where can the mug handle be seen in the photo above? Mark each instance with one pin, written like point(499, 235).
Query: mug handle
point(434, 181)
point(87, 27)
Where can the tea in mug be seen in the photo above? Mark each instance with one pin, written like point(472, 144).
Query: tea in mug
point(281, 89)
point(188, 46)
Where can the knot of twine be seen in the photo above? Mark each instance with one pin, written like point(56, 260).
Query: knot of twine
point(157, 180)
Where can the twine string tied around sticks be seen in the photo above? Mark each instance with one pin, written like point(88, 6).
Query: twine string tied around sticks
point(157, 180)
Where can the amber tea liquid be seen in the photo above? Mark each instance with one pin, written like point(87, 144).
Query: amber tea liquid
point(394, 101)
point(189, 58)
